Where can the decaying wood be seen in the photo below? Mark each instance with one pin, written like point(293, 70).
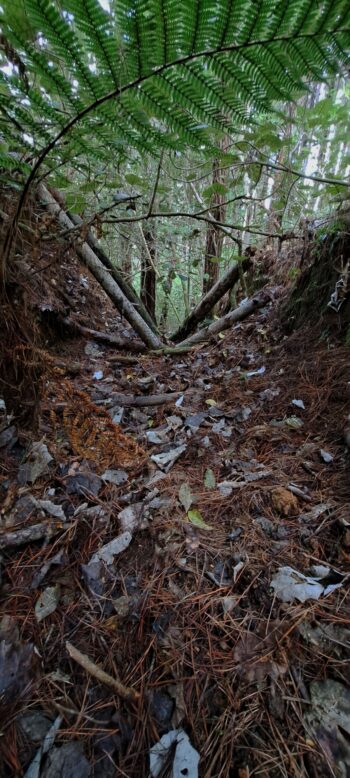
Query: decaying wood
point(299, 492)
point(132, 401)
point(240, 313)
point(207, 303)
point(125, 692)
point(142, 401)
point(102, 275)
point(19, 537)
point(109, 338)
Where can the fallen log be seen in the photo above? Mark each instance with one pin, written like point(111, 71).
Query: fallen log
point(103, 337)
point(102, 275)
point(207, 303)
point(126, 288)
point(129, 400)
point(245, 309)
point(133, 401)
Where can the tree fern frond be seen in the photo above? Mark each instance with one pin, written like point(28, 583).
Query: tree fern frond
point(96, 26)
point(59, 33)
point(164, 73)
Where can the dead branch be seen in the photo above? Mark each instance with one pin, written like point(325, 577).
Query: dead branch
point(207, 303)
point(103, 337)
point(240, 313)
point(125, 692)
point(46, 529)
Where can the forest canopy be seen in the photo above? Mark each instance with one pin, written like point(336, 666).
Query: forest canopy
point(123, 106)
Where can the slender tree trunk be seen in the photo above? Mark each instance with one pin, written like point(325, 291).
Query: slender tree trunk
point(215, 237)
point(148, 272)
point(207, 303)
point(126, 259)
point(102, 275)
point(116, 274)
point(167, 288)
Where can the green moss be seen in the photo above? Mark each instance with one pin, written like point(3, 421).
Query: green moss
point(347, 336)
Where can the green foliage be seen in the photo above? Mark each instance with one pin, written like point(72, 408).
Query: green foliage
point(152, 74)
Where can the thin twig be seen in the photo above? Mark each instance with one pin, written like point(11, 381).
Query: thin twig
point(151, 203)
point(125, 692)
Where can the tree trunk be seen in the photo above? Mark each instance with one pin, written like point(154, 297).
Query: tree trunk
point(148, 272)
point(102, 275)
point(207, 303)
point(118, 276)
point(240, 313)
point(215, 237)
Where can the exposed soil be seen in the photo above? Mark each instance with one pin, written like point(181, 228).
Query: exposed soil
point(186, 615)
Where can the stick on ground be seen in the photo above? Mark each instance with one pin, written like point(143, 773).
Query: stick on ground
point(125, 692)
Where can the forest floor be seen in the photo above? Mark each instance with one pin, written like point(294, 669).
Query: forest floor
point(162, 551)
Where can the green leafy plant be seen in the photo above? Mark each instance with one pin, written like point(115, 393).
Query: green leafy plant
point(154, 73)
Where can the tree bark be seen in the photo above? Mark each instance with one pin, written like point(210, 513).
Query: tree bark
point(215, 236)
point(148, 273)
point(207, 303)
point(115, 272)
point(240, 313)
point(102, 275)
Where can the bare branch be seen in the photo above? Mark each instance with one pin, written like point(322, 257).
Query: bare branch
point(151, 202)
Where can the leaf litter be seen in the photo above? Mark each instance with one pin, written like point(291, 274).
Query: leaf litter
point(181, 565)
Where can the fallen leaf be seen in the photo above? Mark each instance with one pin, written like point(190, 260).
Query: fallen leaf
point(34, 769)
point(110, 550)
point(38, 460)
point(50, 508)
point(196, 518)
point(328, 718)
point(284, 502)
point(290, 584)
point(67, 760)
point(185, 495)
point(326, 456)
point(116, 477)
point(17, 661)
point(185, 760)
point(209, 479)
point(168, 458)
point(260, 371)
point(298, 404)
point(47, 602)
point(210, 402)
point(131, 516)
point(294, 422)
